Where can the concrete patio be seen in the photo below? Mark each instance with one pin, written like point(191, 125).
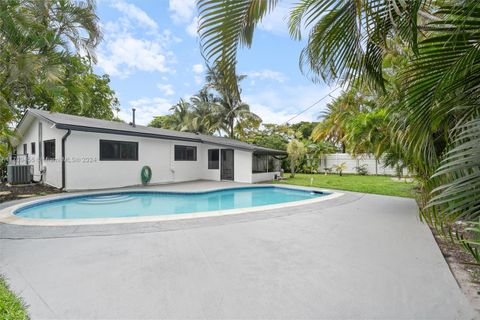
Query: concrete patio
point(356, 256)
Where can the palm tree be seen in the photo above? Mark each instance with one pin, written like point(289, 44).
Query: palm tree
point(37, 38)
point(296, 152)
point(180, 115)
point(338, 114)
point(231, 108)
point(442, 110)
point(435, 113)
point(205, 113)
point(314, 151)
point(347, 38)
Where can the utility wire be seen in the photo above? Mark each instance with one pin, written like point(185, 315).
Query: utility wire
point(312, 105)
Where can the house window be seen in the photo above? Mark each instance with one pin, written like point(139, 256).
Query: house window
point(118, 150)
point(213, 158)
point(49, 147)
point(24, 148)
point(185, 153)
point(32, 147)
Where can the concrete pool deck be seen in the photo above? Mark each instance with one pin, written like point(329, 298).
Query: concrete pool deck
point(355, 256)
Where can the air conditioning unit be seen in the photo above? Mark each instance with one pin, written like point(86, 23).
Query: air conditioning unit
point(19, 174)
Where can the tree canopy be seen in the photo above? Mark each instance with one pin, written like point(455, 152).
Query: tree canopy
point(416, 60)
point(46, 51)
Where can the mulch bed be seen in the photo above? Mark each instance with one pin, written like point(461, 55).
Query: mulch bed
point(12, 192)
point(463, 266)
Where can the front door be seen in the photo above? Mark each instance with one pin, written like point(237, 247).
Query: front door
point(227, 164)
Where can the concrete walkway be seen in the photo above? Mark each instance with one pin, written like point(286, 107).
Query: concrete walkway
point(357, 256)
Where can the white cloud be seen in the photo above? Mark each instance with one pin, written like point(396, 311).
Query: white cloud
point(267, 75)
point(135, 13)
point(182, 11)
point(193, 27)
point(198, 68)
point(277, 21)
point(283, 103)
point(121, 55)
point(146, 109)
point(198, 79)
point(167, 89)
point(123, 51)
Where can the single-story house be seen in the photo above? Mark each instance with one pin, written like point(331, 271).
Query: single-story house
point(77, 153)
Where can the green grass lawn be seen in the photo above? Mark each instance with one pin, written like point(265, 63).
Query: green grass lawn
point(11, 307)
point(367, 184)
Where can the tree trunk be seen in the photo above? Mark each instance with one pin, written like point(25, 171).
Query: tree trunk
point(292, 169)
point(231, 125)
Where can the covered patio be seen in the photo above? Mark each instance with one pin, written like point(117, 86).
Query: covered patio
point(267, 164)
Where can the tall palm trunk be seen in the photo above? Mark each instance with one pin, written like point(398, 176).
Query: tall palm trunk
point(231, 127)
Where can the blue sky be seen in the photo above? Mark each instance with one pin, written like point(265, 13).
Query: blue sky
point(151, 52)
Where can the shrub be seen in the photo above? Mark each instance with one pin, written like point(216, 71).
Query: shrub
point(340, 167)
point(362, 170)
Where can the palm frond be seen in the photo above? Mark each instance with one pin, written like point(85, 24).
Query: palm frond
point(227, 25)
point(459, 196)
point(348, 39)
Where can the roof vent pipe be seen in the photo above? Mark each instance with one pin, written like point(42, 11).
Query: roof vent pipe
point(133, 120)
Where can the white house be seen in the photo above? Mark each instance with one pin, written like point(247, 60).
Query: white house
point(77, 153)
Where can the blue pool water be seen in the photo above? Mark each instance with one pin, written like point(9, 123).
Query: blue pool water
point(138, 204)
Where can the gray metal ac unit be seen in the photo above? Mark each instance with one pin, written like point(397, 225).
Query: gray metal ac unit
point(19, 174)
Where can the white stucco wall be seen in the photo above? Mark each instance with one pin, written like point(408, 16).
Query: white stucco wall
point(264, 176)
point(84, 170)
point(210, 174)
point(188, 170)
point(242, 166)
point(53, 173)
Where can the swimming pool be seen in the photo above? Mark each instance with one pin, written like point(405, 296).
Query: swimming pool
point(156, 203)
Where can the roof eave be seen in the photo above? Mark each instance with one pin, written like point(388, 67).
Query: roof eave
point(122, 132)
point(270, 152)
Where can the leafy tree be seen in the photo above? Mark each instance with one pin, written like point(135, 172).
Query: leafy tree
point(200, 114)
point(338, 115)
point(441, 111)
point(232, 111)
point(249, 126)
point(339, 168)
point(296, 152)
point(205, 117)
point(86, 93)
point(37, 41)
point(314, 151)
point(347, 39)
point(180, 115)
point(432, 104)
point(270, 135)
point(165, 122)
point(304, 128)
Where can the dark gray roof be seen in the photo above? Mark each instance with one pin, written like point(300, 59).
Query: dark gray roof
point(67, 121)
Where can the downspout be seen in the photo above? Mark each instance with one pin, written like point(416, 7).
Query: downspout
point(64, 138)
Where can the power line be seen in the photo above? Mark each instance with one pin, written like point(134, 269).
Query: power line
point(313, 105)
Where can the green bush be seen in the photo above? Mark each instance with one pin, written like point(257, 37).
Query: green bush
point(11, 306)
point(362, 170)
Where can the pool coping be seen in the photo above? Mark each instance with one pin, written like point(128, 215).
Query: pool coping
point(7, 214)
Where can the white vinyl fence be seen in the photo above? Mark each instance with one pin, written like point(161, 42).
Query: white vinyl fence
point(373, 166)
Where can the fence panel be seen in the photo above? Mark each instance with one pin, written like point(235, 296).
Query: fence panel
point(373, 166)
